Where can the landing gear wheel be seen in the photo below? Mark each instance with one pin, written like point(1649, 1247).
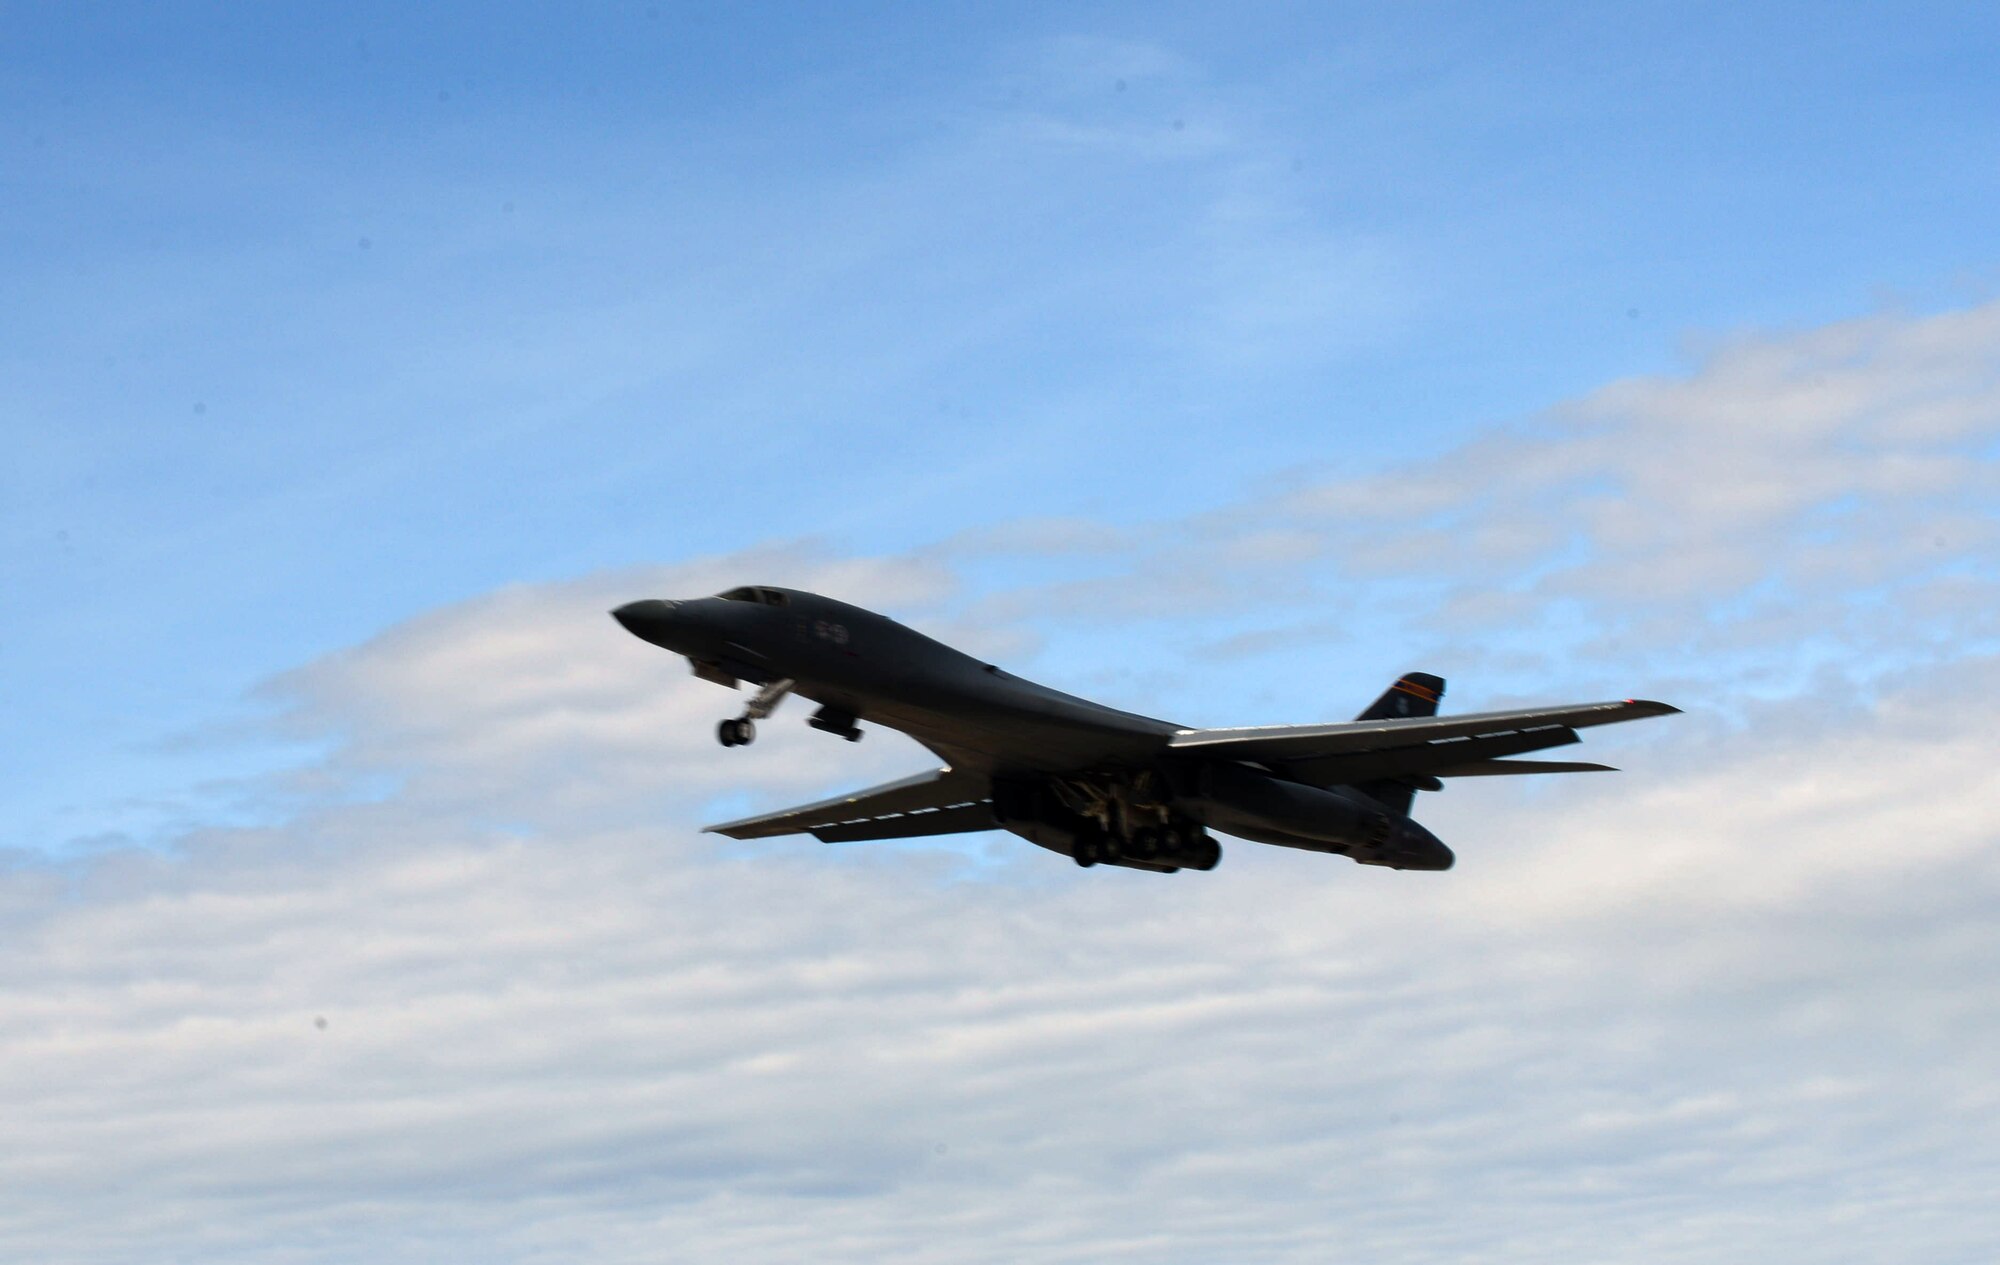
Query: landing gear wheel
point(735, 733)
point(746, 733)
point(1146, 841)
point(1085, 853)
point(725, 733)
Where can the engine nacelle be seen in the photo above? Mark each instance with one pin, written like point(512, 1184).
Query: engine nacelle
point(1252, 805)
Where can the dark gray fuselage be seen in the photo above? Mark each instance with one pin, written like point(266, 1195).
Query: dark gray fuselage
point(873, 668)
point(862, 666)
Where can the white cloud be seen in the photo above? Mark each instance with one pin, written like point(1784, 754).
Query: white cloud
point(1772, 450)
point(1792, 500)
point(533, 705)
point(1732, 1006)
point(1693, 1013)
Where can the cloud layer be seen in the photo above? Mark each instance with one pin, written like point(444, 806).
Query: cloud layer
point(1792, 503)
point(1697, 1013)
point(486, 995)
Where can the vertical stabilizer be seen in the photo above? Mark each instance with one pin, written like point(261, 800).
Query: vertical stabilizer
point(1413, 694)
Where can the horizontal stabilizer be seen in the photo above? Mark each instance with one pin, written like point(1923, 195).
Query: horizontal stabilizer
point(920, 805)
point(1501, 768)
point(1355, 767)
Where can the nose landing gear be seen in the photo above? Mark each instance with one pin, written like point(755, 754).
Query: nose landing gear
point(742, 731)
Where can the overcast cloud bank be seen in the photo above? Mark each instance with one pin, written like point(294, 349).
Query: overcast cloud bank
point(1734, 1005)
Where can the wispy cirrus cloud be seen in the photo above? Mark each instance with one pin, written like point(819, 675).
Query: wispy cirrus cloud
point(1793, 502)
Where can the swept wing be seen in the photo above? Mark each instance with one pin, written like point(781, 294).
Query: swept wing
point(941, 802)
point(948, 800)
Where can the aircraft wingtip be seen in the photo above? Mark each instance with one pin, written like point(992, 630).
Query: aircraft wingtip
point(1653, 707)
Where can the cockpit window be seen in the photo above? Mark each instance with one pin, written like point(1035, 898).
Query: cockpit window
point(763, 597)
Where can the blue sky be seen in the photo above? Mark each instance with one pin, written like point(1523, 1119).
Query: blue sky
point(1218, 363)
point(640, 283)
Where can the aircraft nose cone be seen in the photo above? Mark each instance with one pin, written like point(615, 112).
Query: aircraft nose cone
point(647, 618)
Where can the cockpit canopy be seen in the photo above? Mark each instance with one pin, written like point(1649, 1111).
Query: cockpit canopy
point(763, 597)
